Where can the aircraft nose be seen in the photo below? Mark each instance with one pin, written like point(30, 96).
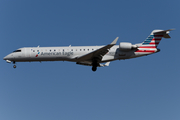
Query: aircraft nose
point(8, 57)
point(5, 58)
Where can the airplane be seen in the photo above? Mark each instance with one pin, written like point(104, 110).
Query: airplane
point(95, 56)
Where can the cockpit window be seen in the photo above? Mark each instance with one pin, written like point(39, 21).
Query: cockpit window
point(17, 51)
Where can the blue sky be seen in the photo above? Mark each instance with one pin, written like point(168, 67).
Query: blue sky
point(145, 88)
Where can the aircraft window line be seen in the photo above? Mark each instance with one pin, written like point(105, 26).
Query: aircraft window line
point(17, 51)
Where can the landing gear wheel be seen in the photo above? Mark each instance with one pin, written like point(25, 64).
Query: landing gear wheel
point(14, 66)
point(94, 68)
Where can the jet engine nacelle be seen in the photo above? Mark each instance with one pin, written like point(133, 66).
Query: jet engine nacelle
point(126, 46)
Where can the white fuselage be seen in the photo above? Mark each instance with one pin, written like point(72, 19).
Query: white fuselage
point(70, 53)
point(90, 55)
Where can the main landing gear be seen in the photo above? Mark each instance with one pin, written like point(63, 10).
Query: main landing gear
point(14, 66)
point(94, 65)
point(94, 68)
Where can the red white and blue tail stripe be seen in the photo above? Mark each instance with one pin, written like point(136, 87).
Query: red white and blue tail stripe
point(152, 41)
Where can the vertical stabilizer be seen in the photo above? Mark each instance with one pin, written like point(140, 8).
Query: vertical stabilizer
point(152, 41)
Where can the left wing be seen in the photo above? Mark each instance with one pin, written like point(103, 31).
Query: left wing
point(97, 54)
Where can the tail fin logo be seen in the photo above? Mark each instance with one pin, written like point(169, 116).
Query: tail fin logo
point(152, 41)
point(150, 44)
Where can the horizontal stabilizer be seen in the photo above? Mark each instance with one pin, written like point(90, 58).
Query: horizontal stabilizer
point(165, 33)
point(166, 36)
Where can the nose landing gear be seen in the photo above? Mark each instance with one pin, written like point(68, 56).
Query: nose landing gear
point(14, 66)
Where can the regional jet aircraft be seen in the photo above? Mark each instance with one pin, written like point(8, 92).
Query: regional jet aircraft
point(95, 56)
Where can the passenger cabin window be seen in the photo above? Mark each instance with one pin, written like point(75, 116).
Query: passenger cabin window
point(17, 51)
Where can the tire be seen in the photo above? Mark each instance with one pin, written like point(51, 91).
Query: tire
point(14, 66)
point(94, 68)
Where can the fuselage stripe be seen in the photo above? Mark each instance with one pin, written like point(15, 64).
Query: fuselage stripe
point(147, 47)
point(146, 51)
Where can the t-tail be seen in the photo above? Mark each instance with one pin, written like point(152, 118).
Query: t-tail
point(153, 40)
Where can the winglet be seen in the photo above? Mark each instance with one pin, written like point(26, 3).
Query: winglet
point(114, 42)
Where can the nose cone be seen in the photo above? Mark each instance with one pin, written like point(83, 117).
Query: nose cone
point(8, 57)
point(5, 58)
